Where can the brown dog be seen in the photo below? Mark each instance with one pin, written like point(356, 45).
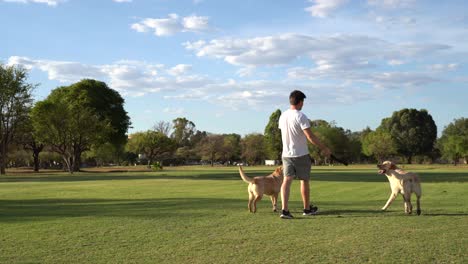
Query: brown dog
point(260, 185)
point(402, 182)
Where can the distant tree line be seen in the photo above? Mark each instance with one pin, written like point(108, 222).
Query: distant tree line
point(85, 124)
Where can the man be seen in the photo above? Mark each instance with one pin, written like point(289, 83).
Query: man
point(295, 131)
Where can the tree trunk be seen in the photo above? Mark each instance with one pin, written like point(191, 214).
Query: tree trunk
point(410, 159)
point(3, 152)
point(70, 161)
point(36, 161)
point(36, 149)
point(77, 162)
point(2, 165)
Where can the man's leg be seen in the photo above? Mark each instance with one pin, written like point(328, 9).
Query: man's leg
point(285, 189)
point(305, 193)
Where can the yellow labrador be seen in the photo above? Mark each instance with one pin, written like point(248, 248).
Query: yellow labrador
point(402, 182)
point(260, 185)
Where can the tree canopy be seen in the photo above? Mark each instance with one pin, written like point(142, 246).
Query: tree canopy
point(15, 104)
point(155, 146)
point(272, 133)
point(379, 144)
point(75, 118)
point(183, 130)
point(454, 140)
point(413, 131)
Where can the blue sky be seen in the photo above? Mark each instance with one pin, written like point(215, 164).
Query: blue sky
point(227, 65)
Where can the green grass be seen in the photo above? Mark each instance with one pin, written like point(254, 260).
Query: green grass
point(199, 215)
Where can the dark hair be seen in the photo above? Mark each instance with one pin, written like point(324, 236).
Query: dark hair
point(296, 96)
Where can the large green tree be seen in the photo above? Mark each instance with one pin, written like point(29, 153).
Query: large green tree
point(67, 126)
point(15, 104)
point(379, 144)
point(272, 133)
point(253, 150)
point(30, 142)
point(454, 141)
point(413, 131)
point(155, 146)
point(76, 118)
point(231, 149)
point(108, 105)
point(210, 147)
point(336, 138)
point(183, 130)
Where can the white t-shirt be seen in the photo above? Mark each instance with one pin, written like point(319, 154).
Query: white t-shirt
point(292, 123)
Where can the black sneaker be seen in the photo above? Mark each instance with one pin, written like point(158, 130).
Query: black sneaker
point(313, 210)
point(286, 215)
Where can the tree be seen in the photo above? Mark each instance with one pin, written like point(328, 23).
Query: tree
point(155, 146)
point(67, 126)
point(211, 147)
point(184, 129)
point(163, 127)
point(231, 148)
point(108, 105)
point(379, 144)
point(106, 153)
point(336, 138)
point(253, 150)
point(454, 140)
point(413, 131)
point(30, 142)
point(356, 140)
point(273, 142)
point(83, 115)
point(15, 104)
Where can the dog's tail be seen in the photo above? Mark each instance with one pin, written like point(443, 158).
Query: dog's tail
point(245, 177)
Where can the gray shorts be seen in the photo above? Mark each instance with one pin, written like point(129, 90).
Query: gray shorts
point(298, 167)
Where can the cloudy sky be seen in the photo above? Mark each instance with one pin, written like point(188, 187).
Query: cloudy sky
point(227, 65)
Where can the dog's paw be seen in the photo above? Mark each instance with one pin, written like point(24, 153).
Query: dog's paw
point(383, 209)
point(418, 212)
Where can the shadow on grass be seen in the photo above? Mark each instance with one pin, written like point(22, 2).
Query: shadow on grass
point(338, 176)
point(46, 209)
point(352, 176)
point(173, 208)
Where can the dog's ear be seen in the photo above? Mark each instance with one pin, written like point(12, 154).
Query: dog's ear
point(393, 166)
point(279, 170)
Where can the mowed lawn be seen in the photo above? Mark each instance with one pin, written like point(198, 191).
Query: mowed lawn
point(199, 215)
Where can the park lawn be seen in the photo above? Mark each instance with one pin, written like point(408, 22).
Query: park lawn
point(199, 215)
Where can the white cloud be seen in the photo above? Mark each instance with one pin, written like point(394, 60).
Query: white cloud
point(48, 2)
point(174, 111)
point(179, 69)
point(132, 78)
point(339, 50)
point(62, 71)
point(246, 71)
point(323, 8)
point(172, 24)
point(347, 83)
point(391, 4)
point(195, 23)
point(123, 1)
point(394, 20)
point(443, 67)
point(353, 78)
point(395, 62)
